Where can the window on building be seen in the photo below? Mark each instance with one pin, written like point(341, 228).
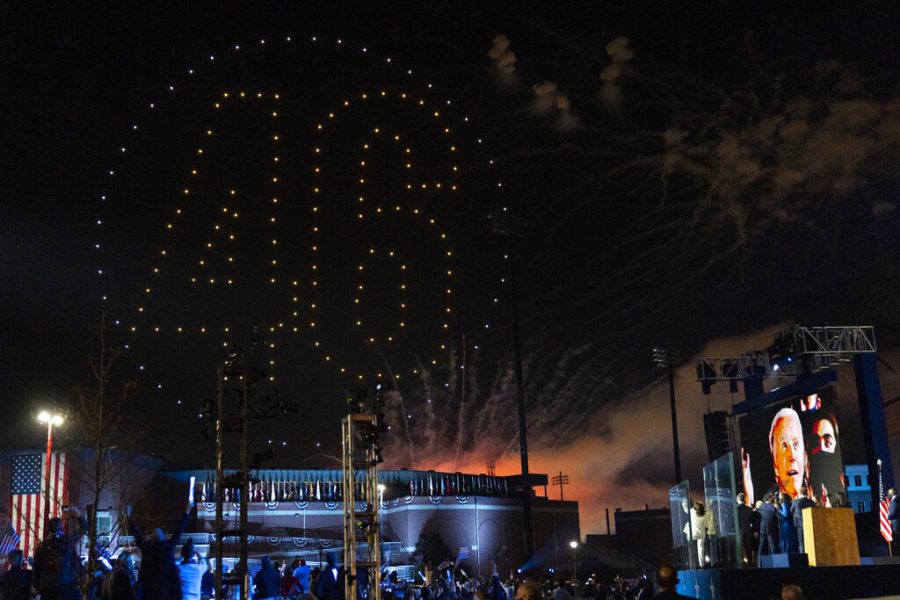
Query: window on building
point(857, 480)
point(860, 507)
point(103, 522)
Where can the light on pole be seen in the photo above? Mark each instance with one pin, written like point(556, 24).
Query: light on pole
point(666, 358)
point(50, 420)
point(574, 546)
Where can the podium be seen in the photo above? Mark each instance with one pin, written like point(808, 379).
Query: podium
point(829, 537)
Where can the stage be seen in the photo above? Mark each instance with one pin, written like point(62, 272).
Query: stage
point(821, 583)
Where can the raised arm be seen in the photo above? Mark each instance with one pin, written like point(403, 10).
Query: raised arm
point(133, 529)
point(498, 592)
point(183, 523)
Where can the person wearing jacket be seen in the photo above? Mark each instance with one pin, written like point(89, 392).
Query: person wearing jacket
point(57, 566)
point(768, 528)
point(158, 577)
point(15, 584)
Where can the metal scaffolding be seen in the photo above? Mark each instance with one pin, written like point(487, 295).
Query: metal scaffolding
point(796, 351)
point(362, 527)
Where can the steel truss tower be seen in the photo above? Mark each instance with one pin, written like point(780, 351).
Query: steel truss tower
point(362, 530)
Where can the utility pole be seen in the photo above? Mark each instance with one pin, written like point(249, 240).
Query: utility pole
point(666, 358)
point(560, 480)
point(238, 383)
point(506, 224)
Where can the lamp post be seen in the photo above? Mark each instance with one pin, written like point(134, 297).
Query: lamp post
point(574, 546)
point(50, 420)
point(666, 358)
point(513, 227)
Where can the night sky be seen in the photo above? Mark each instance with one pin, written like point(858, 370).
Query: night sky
point(687, 174)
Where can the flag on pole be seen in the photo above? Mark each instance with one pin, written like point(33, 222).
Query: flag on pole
point(28, 488)
point(885, 525)
point(463, 554)
point(884, 506)
point(10, 539)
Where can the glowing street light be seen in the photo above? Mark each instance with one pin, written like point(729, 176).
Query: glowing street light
point(51, 420)
point(574, 546)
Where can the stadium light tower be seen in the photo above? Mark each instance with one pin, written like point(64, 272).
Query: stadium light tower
point(51, 420)
point(666, 358)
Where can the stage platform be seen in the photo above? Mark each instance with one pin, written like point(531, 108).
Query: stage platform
point(821, 583)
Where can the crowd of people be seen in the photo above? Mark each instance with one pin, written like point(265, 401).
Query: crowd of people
point(773, 525)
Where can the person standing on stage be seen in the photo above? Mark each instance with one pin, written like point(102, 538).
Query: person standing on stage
point(699, 530)
point(787, 532)
point(797, 507)
point(768, 529)
point(746, 529)
point(894, 518)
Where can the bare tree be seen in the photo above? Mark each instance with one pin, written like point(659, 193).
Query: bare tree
point(103, 437)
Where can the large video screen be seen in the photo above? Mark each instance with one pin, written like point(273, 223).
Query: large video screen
point(794, 444)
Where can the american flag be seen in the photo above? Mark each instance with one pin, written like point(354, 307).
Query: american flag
point(9, 540)
point(27, 488)
point(883, 509)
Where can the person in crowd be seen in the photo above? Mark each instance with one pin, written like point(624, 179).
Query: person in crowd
point(158, 579)
point(208, 582)
point(791, 591)
point(314, 576)
point(266, 583)
point(802, 501)
point(301, 575)
point(57, 566)
point(15, 584)
point(331, 580)
point(768, 529)
point(745, 527)
point(666, 581)
point(495, 590)
point(528, 590)
point(190, 572)
point(787, 534)
point(699, 527)
point(119, 582)
point(288, 582)
point(126, 561)
point(561, 591)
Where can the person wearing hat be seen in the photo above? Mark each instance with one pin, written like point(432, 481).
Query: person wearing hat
point(158, 578)
point(266, 582)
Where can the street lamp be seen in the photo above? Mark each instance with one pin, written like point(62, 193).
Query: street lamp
point(574, 546)
point(50, 420)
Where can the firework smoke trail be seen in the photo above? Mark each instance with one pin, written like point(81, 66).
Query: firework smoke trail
point(729, 171)
point(395, 396)
point(429, 430)
point(461, 411)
